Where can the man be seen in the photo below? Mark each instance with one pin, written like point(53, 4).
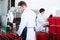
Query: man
point(41, 20)
point(10, 18)
point(27, 25)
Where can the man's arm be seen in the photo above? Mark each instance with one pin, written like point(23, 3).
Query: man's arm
point(22, 24)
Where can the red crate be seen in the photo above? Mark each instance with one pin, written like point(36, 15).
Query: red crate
point(57, 23)
point(42, 36)
point(52, 29)
point(13, 37)
point(57, 37)
point(3, 37)
point(51, 21)
point(38, 35)
point(57, 20)
point(58, 30)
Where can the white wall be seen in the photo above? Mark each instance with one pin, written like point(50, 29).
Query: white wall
point(0, 7)
point(4, 4)
point(58, 12)
point(49, 5)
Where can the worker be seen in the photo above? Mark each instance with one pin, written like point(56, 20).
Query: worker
point(10, 18)
point(28, 23)
point(41, 21)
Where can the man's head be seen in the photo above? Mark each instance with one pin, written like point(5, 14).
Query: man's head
point(22, 5)
point(42, 10)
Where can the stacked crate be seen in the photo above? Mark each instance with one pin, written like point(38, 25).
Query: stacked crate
point(9, 36)
point(54, 28)
point(42, 36)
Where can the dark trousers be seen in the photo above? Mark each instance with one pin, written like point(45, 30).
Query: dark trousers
point(24, 33)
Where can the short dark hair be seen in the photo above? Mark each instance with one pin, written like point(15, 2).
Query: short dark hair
point(41, 10)
point(22, 3)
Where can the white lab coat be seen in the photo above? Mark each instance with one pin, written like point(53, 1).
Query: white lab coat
point(11, 17)
point(41, 21)
point(28, 19)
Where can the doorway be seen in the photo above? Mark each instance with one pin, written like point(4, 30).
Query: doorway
point(13, 3)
